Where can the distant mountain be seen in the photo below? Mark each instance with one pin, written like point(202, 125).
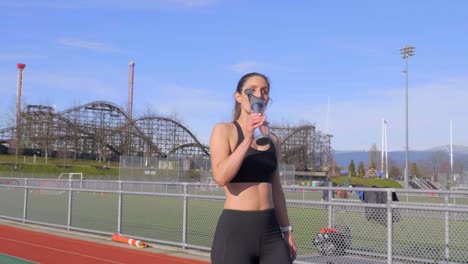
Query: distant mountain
point(344, 157)
point(456, 149)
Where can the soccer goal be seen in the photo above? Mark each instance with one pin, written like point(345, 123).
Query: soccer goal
point(71, 176)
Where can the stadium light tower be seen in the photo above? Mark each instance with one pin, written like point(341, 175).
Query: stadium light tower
point(406, 52)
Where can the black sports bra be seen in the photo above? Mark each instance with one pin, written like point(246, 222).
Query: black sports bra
point(257, 166)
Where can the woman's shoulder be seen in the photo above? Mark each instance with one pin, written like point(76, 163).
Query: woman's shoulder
point(223, 132)
point(224, 125)
point(225, 128)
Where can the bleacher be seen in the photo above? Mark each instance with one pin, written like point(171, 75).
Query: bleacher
point(438, 186)
point(430, 184)
point(414, 185)
point(425, 184)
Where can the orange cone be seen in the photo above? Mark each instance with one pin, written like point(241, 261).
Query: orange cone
point(132, 242)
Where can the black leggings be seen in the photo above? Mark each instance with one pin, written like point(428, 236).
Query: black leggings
point(249, 237)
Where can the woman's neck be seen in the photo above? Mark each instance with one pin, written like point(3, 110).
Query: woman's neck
point(242, 120)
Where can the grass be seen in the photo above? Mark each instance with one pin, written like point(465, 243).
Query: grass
point(28, 167)
point(54, 170)
point(367, 182)
point(42, 160)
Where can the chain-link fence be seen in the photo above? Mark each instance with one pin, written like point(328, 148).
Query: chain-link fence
point(351, 225)
point(287, 174)
point(450, 180)
point(187, 169)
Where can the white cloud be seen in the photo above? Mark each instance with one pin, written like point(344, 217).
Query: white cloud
point(89, 45)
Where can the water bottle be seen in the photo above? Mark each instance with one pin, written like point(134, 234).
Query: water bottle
point(262, 133)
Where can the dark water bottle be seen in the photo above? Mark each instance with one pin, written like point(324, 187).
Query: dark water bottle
point(262, 133)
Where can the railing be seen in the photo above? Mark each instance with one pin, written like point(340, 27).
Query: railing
point(423, 227)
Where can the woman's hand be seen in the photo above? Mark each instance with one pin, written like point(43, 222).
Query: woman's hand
point(292, 246)
point(254, 121)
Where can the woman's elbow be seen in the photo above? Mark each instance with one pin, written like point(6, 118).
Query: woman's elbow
point(220, 181)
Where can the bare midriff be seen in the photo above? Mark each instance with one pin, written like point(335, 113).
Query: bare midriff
point(248, 196)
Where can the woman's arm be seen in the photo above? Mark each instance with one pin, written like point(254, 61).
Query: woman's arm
point(225, 164)
point(279, 201)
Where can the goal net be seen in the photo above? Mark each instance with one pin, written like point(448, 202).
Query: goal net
point(71, 179)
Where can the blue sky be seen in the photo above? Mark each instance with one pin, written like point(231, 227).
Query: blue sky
point(189, 55)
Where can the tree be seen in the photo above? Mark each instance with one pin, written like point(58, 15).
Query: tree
point(372, 173)
point(361, 170)
point(394, 172)
point(335, 169)
point(351, 169)
point(149, 110)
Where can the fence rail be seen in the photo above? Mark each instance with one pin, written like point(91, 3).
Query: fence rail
point(421, 227)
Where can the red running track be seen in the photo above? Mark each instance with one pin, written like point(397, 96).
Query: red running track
point(49, 249)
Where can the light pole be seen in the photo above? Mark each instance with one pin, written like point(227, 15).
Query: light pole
point(451, 155)
point(384, 160)
point(406, 52)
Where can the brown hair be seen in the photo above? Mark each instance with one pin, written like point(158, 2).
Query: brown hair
point(240, 84)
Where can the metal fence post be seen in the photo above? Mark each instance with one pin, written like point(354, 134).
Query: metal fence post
point(120, 166)
point(70, 197)
point(389, 228)
point(25, 202)
point(119, 209)
point(184, 222)
point(330, 206)
point(447, 228)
